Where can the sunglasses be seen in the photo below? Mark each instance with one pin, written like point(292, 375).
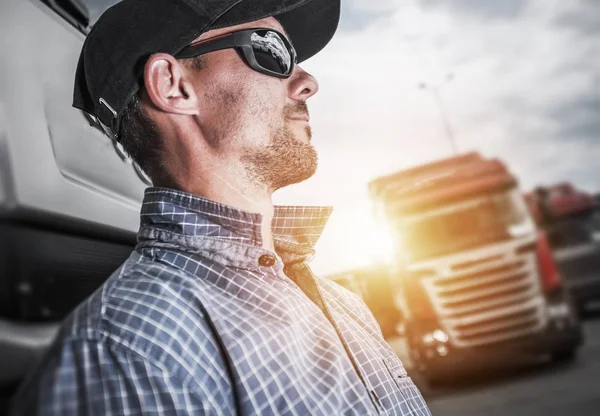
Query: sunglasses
point(265, 50)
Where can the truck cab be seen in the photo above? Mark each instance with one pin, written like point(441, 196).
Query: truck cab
point(476, 280)
point(69, 196)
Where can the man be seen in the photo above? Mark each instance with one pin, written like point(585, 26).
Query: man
point(216, 311)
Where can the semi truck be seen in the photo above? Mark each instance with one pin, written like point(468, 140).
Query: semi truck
point(475, 278)
point(571, 219)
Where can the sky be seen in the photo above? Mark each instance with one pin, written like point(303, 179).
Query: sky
point(519, 79)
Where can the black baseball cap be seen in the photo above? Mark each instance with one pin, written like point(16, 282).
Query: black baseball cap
point(110, 68)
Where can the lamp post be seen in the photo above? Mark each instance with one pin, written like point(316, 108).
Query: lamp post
point(435, 90)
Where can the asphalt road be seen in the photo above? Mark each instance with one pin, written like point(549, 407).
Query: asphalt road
point(540, 388)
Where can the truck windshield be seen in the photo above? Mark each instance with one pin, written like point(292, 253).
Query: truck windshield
point(82, 14)
point(467, 224)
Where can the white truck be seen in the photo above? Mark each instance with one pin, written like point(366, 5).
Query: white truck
point(69, 198)
point(476, 280)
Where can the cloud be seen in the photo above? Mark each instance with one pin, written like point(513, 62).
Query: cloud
point(585, 19)
point(359, 14)
point(505, 9)
point(583, 115)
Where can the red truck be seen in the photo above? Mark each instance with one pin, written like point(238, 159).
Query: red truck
point(571, 219)
point(475, 278)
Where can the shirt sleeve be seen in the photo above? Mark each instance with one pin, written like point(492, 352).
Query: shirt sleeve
point(88, 378)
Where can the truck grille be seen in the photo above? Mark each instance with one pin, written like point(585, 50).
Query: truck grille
point(492, 301)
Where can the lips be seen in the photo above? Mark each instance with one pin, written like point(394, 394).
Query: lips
point(301, 118)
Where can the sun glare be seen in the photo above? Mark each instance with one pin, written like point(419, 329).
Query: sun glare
point(376, 241)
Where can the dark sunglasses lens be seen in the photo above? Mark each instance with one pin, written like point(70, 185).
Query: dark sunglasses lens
point(271, 51)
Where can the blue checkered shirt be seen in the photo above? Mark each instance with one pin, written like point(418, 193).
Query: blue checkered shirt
point(202, 320)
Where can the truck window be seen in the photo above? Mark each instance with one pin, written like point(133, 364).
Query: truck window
point(82, 14)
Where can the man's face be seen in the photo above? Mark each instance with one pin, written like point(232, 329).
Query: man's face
point(258, 120)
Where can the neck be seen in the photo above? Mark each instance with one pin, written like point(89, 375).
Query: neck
point(233, 187)
point(198, 166)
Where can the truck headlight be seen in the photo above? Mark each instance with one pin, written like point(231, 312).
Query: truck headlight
point(437, 335)
point(560, 310)
point(440, 335)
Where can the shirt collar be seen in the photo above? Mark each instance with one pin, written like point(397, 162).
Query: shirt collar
point(191, 215)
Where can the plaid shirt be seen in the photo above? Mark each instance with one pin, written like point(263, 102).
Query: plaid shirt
point(202, 320)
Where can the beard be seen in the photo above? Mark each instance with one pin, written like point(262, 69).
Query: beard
point(286, 160)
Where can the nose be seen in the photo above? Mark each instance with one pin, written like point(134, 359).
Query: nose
point(302, 85)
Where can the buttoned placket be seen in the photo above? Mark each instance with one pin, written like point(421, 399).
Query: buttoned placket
point(304, 278)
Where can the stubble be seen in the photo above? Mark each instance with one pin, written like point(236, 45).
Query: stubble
point(287, 159)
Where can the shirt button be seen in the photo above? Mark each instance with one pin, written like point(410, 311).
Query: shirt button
point(266, 260)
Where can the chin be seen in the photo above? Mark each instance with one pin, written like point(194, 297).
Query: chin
point(303, 134)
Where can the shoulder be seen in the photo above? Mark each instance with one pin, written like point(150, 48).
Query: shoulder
point(80, 376)
point(155, 310)
point(151, 310)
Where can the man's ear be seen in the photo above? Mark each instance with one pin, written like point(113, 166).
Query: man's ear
point(167, 86)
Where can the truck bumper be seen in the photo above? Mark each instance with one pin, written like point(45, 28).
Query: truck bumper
point(447, 362)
